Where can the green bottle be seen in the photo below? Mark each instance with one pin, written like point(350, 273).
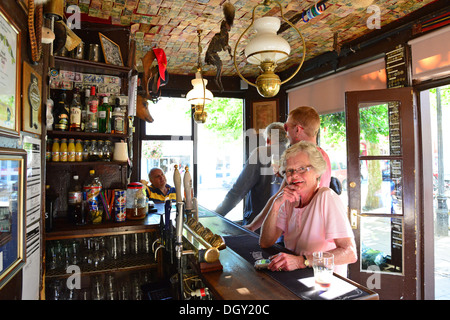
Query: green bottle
point(104, 117)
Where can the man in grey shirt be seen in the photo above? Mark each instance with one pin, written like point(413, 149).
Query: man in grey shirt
point(255, 181)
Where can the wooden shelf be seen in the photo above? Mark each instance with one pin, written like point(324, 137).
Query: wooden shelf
point(81, 134)
point(86, 163)
point(86, 66)
point(62, 229)
point(127, 263)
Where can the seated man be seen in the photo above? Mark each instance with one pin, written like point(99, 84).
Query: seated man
point(159, 190)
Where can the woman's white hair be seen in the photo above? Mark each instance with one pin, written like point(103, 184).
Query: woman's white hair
point(314, 155)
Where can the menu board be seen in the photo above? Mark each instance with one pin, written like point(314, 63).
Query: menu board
point(396, 68)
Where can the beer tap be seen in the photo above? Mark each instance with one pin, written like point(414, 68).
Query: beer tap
point(179, 228)
point(191, 207)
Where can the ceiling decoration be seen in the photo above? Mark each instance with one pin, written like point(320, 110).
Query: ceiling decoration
point(172, 25)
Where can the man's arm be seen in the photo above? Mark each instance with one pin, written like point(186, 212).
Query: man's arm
point(259, 219)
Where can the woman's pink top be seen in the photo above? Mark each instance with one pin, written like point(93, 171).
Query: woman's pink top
point(314, 227)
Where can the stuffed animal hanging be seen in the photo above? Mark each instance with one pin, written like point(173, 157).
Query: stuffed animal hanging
point(219, 42)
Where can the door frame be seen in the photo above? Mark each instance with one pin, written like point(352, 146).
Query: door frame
point(408, 285)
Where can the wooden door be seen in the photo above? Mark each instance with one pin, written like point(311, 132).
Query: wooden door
point(382, 183)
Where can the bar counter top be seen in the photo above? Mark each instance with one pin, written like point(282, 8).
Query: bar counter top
point(239, 280)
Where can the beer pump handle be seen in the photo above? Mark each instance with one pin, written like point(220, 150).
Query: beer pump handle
point(177, 182)
point(187, 181)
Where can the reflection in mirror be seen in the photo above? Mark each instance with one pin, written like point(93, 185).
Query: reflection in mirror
point(381, 186)
point(381, 244)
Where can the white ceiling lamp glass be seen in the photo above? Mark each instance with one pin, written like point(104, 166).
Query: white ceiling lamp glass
point(267, 50)
point(199, 96)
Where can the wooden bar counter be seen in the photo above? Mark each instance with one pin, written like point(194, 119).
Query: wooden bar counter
point(239, 280)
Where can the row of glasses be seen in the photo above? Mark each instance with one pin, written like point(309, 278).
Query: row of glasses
point(96, 251)
point(102, 287)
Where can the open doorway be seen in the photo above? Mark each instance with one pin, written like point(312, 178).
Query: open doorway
point(437, 100)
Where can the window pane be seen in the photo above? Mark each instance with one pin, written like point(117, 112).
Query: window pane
point(374, 138)
point(333, 140)
point(165, 155)
point(172, 117)
point(220, 154)
point(381, 244)
point(381, 192)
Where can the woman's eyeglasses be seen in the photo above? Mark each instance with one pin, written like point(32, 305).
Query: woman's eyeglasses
point(299, 170)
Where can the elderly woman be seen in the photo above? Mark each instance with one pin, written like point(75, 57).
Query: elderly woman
point(311, 218)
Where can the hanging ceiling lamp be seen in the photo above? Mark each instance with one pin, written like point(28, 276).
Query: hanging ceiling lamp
point(199, 96)
point(267, 50)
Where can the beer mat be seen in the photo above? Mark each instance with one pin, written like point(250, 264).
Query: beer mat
point(297, 281)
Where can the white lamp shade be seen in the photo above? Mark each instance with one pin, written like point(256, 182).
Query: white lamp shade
point(197, 95)
point(267, 45)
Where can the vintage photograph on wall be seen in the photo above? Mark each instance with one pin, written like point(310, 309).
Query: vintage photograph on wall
point(12, 212)
point(31, 104)
point(264, 112)
point(9, 76)
point(111, 51)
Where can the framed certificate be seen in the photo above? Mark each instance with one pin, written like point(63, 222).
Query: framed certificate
point(10, 72)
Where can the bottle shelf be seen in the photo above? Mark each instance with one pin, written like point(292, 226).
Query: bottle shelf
point(81, 134)
point(86, 163)
point(87, 66)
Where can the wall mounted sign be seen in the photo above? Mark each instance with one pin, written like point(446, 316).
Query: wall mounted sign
point(32, 100)
point(9, 76)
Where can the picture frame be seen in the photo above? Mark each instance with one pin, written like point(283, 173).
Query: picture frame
point(264, 112)
point(111, 51)
point(10, 74)
point(32, 100)
point(12, 212)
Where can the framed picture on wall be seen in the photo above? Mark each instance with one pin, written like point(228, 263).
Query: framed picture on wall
point(264, 112)
point(111, 51)
point(12, 212)
point(31, 104)
point(10, 72)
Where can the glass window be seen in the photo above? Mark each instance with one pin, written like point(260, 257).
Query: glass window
point(171, 118)
point(169, 140)
point(333, 141)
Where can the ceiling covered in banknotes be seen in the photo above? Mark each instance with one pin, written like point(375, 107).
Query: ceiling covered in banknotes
point(173, 24)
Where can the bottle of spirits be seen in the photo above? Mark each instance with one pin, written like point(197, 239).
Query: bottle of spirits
point(61, 114)
point(104, 117)
point(93, 111)
point(118, 118)
point(75, 112)
point(85, 111)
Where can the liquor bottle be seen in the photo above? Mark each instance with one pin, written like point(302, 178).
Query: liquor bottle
point(85, 111)
point(75, 112)
point(71, 150)
point(118, 120)
point(92, 125)
point(104, 117)
point(55, 150)
point(63, 150)
point(75, 198)
point(93, 187)
point(61, 114)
